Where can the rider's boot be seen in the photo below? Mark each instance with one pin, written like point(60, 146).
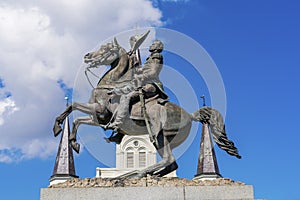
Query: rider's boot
point(119, 119)
point(121, 113)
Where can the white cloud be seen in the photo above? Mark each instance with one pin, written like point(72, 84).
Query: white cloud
point(7, 108)
point(184, 1)
point(42, 42)
point(6, 158)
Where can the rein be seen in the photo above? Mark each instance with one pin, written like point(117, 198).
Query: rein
point(87, 77)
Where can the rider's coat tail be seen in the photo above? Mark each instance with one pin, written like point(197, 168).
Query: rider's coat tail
point(216, 123)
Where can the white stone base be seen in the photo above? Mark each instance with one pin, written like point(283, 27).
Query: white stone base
point(60, 179)
point(149, 193)
point(109, 172)
point(203, 177)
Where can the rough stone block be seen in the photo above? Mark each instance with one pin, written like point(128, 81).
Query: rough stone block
point(219, 192)
point(147, 193)
point(153, 192)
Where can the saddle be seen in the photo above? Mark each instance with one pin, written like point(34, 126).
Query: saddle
point(136, 111)
point(176, 116)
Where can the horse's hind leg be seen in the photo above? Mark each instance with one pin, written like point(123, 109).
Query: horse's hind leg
point(167, 164)
point(76, 123)
point(169, 168)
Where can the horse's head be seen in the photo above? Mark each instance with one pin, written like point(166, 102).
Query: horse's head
point(106, 55)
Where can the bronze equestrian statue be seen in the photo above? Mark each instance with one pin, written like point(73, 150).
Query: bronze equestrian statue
point(167, 124)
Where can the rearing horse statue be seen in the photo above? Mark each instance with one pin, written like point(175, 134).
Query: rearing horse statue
point(169, 123)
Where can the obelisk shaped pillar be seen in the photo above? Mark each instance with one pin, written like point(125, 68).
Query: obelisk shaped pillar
point(64, 167)
point(207, 161)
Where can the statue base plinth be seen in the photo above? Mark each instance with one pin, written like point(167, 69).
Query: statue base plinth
point(207, 176)
point(148, 188)
point(60, 178)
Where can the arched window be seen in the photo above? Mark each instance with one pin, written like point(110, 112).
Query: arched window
point(142, 157)
point(130, 158)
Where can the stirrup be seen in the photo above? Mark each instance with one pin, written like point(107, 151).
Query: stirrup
point(106, 126)
point(112, 126)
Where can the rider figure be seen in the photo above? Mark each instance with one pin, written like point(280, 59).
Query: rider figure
point(147, 78)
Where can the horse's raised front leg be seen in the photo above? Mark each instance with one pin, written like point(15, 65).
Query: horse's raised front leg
point(89, 108)
point(76, 123)
point(60, 119)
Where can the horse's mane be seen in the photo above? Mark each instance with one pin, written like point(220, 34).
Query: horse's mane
point(116, 68)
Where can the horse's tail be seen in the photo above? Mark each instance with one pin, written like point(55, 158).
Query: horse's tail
point(216, 123)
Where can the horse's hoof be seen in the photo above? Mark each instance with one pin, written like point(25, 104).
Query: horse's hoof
point(75, 146)
point(139, 175)
point(56, 129)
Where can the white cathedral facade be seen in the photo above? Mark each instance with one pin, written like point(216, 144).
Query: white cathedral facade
point(134, 153)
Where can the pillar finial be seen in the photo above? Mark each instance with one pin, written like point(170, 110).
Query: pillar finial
point(67, 100)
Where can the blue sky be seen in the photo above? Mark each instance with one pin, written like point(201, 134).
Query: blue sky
point(255, 45)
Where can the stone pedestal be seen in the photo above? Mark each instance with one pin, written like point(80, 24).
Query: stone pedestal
point(153, 192)
point(148, 188)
